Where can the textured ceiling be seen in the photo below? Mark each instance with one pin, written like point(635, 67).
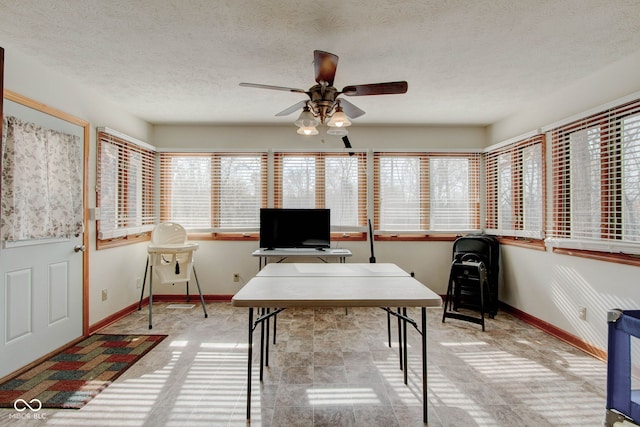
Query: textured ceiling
point(467, 62)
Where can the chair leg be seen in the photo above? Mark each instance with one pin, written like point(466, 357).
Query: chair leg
point(482, 284)
point(448, 303)
point(187, 292)
point(144, 280)
point(204, 308)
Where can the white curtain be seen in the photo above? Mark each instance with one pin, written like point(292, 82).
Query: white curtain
point(41, 182)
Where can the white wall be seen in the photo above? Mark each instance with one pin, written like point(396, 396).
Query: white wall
point(550, 286)
point(109, 269)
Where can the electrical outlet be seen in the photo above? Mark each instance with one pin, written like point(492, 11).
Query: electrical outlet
point(138, 283)
point(582, 313)
point(104, 295)
point(236, 277)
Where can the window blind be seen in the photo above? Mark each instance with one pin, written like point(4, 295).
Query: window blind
point(596, 182)
point(426, 192)
point(125, 185)
point(221, 192)
point(337, 181)
point(514, 182)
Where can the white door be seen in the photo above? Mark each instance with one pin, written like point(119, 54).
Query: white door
point(41, 284)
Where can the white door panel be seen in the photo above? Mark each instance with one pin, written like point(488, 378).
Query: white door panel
point(41, 281)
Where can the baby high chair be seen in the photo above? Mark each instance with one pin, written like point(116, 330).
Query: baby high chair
point(170, 257)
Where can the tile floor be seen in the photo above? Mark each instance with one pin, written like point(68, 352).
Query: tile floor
point(329, 369)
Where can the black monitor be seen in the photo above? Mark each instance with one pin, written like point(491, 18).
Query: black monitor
point(295, 228)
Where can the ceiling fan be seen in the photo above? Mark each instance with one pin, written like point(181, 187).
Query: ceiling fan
point(323, 102)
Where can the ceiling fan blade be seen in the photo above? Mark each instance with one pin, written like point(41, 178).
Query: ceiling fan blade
point(350, 109)
point(292, 109)
point(260, 86)
point(325, 65)
point(388, 88)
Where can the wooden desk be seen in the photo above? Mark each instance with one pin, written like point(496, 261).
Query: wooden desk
point(279, 286)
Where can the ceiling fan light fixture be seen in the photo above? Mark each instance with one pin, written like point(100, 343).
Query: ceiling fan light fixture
point(339, 119)
point(307, 130)
point(306, 119)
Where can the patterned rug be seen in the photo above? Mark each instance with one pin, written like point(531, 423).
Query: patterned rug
point(77, 374)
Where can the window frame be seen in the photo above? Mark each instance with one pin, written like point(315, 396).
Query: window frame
point(126, 145)
point(517, 235)
point(214, 232)
point(610, 246)
point(338, 233)
point(425, 206)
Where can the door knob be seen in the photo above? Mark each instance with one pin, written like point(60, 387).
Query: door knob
point(79, 248)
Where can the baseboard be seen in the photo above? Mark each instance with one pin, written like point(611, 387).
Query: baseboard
point(113, 318)
point(552, 330)
point(156, 298)
point(182, 298)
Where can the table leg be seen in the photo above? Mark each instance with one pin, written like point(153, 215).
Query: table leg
point(404, 344)
point(250, 356)
point(275, 328)
point(424, 365)
point(400, 338)
point(266, 341)
point(389, 327)
point(261, 344)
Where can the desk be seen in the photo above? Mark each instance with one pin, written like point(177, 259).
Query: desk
point(284, 253)
point(279, 286)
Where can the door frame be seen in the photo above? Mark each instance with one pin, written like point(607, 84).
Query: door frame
point(43, 108)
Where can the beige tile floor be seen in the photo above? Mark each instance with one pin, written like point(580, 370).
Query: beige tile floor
point(332, 369)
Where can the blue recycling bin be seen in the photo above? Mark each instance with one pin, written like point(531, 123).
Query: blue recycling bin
point(623, 403)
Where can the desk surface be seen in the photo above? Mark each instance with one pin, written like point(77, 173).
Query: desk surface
point(311, 252)
point(332, 285)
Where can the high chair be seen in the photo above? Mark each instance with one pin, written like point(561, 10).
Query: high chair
point(170, 257)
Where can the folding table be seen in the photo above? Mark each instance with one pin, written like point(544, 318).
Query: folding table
point(280, 286)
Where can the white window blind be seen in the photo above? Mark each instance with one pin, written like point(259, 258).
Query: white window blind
point(426, 192)
point(220, 192)
point(596, 182)
point(514, 183)
point(125, 185)
point(336, 181)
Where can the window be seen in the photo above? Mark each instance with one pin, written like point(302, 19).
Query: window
point(337, 181)
point(596, 182)
point(213, 192)
point(422, 193)
point(125, 185)
point(515, 189)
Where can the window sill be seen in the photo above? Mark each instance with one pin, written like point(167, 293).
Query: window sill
point(617, 258)
point(349, 237)
point(536, 244)
point(416, 237)
point(123, 241)
point(249, 237)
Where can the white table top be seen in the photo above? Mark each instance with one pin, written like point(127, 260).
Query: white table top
point(327, 270)
point(306, 252)
point(333, 288)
